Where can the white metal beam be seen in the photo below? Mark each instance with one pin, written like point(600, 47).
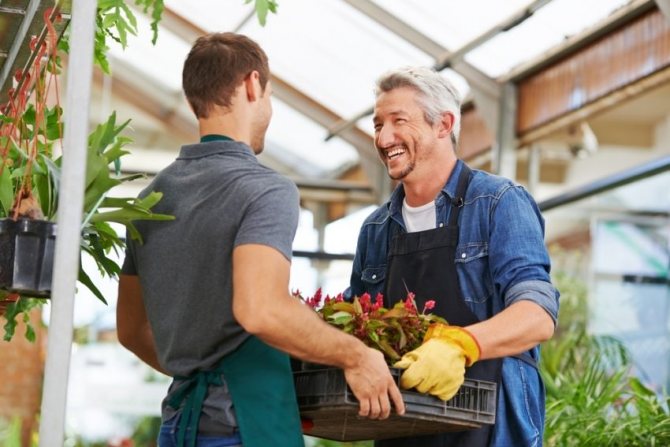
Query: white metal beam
point(446, 58)
point(475, 77)
point(664, 6)
point(68, 234)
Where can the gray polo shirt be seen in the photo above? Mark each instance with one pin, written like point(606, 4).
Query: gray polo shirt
point(221, 197)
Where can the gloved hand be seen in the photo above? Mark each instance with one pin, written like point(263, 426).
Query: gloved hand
point(438, 366)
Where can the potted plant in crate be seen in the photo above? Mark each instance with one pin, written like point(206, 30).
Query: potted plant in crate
point(29, 181)
point(329, 409)
point(394, 331)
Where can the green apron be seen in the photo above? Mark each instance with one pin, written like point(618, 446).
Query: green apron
point(260, 382)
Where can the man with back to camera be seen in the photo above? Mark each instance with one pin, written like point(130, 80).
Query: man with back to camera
point(205, 297)
point(471, 241)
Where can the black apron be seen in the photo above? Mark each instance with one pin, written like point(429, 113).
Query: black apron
point(423, 263)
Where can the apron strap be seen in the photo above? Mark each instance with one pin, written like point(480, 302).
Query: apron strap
point(458, 201)
point(193, 392)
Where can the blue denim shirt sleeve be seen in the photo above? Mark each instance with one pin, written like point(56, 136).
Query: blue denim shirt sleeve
point(356, 287)
point(519, 261)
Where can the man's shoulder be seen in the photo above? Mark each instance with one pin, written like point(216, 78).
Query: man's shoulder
point(379, 216)
point(486, 184)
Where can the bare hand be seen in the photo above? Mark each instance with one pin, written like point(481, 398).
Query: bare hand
point(372, 384)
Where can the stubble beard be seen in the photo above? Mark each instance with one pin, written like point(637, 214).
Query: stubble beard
point(404, 173)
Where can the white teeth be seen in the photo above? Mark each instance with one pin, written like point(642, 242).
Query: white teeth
point(395, 152)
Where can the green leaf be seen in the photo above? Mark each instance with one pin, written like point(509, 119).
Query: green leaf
point(6, 191)
point(639, 388)
point(388, 350)
point(132, 21)
point(86, 280)
point(54, 126)
point(262, 8)
point(30, 115)
point(343, 305)
point(53, 173)
point(341, 318)
point(358, 309)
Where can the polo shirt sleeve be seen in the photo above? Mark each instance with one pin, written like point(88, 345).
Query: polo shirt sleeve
point(518, 257)
point(129, 267)
point(271, 218)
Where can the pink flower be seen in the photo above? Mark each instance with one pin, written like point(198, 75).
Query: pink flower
point(409, 302)
point(430, 304)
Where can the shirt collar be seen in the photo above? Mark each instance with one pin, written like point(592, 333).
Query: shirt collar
point(201, 150)
point(449, 189)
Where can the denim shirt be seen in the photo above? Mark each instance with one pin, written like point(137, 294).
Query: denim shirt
point(500, 259)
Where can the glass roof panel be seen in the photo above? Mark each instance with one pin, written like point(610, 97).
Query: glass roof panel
point(548, 27)
point(452, 24)
point(161, 62)
point(291, 131)
point(213, 15)
point(331, 52)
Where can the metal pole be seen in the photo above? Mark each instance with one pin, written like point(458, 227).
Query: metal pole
point(18, 41)
point(534, 165)
point(504, 152)
point(608, 183)
point(70, 204)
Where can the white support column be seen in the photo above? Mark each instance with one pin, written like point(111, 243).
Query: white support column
point(70, 204)
point(534, 163)
point(504, 152)
point(320, 213)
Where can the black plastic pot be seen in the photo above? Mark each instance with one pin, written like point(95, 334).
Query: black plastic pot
point(26, 256)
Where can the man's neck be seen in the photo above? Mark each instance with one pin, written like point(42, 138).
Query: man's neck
point(229, 125)
point(425, 187)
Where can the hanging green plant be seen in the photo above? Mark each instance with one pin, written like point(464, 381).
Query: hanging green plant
point(30, 172)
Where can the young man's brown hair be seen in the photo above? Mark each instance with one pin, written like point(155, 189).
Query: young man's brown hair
point(217, 63)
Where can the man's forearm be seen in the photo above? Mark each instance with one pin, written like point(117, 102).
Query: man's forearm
point(291, 326)
point(518, 328)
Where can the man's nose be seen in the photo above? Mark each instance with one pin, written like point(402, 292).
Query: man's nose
point(385, 137)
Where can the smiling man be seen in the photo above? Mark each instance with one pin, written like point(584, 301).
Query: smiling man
point(471, 241)
point(205, 297)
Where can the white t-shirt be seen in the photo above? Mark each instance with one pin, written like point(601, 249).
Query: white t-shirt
point(419, 218)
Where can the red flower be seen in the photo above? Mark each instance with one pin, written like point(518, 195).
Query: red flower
point(366, 302)
point(379, 302)
point(430, 304)
point(409, 302)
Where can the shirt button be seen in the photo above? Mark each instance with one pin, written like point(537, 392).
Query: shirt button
point(463, 256)
point(441, 224)
point(374, 276)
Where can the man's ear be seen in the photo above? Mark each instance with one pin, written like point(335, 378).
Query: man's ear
point(446, 124)
point(252, 85)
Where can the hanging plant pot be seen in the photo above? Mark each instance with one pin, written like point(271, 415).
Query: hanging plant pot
point(26, 256)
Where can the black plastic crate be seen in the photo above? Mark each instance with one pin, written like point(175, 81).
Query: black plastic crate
point(325, 399)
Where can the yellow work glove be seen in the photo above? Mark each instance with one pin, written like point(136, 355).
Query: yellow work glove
point(438, 366)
